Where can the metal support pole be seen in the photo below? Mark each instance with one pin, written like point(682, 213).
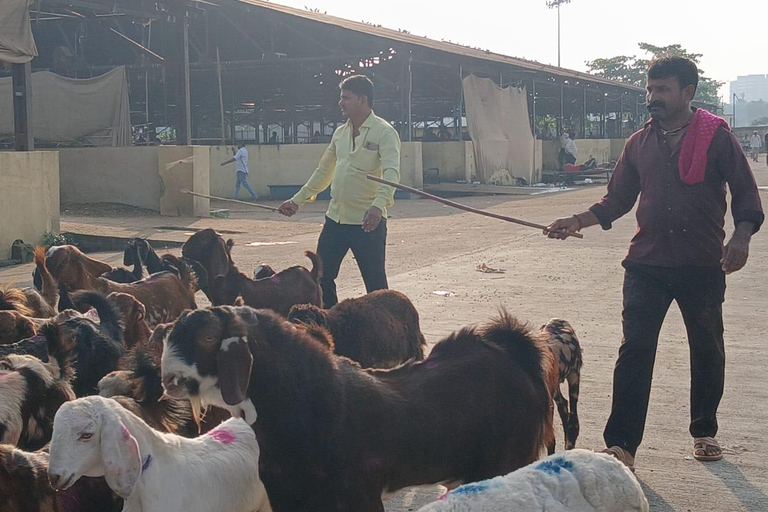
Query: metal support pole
point(562, 114)
point(410, 99)
point(584, 116)
point(533, 88)
point(183, 107)
point(621, 121)
point(24, 139)
point(458, 124)
point(221, 98)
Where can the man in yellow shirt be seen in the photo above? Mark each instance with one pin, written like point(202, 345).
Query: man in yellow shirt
point(357, 214)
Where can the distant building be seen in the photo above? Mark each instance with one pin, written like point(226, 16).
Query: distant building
point(750, 88)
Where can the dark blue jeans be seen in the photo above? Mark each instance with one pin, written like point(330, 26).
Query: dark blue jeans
point(648, 293)
point(369, 249)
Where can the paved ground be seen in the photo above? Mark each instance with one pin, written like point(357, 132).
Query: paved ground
point(432, 248)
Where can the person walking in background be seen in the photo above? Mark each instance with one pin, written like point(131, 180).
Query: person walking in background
point(241, 166)
point(754, 145)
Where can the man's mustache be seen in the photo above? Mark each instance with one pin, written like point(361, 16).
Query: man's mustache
point(656, 104)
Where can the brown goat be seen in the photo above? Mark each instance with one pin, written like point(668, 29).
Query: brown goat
point(280, 292)
point(378, 330)
point(209, 249)
point(26, 301)
point(49, 289)
point(295, 285)
point(15, 327)
point(132, 315)
point(334, 436)
point(164, 295)
point(73, 269)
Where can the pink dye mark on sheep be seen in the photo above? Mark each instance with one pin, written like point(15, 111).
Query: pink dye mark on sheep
point(125, 432)
point(223, 435)
point(275, 278)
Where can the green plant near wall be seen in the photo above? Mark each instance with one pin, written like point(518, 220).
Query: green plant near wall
point(50, 239)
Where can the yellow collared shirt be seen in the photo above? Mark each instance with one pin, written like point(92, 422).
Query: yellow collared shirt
point(345, 165)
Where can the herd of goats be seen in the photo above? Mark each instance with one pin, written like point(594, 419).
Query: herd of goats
point(118, 393)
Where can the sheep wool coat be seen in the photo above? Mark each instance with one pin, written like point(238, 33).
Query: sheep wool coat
point(574, 480)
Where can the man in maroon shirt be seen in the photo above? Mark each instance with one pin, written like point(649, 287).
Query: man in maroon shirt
point(676, 254)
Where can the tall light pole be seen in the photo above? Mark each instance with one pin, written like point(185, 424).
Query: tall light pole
point(555, 4)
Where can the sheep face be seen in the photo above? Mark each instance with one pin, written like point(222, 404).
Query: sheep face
point(89, 439)
point(206, 358)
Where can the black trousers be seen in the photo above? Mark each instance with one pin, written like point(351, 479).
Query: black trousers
point(648, 293)
point(369, 250)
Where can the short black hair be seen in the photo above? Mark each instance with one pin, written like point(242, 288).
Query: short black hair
point(683, 69)
point(360, 85)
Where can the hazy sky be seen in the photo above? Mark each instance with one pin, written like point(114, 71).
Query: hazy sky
point(732, 35)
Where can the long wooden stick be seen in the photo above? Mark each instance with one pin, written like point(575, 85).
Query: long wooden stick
point(252, 205)
point(461, 206)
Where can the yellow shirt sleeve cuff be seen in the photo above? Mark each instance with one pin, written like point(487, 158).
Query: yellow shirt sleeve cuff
point(382, 203)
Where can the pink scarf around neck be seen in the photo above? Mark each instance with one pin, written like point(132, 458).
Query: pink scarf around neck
point(695, 144)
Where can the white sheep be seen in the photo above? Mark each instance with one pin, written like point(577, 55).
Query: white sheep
point(153, 471)
point(574, 480)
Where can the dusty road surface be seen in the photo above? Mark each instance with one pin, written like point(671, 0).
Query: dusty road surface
point(432, 248)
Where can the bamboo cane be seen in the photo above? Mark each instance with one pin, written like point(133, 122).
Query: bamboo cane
point(463, 207)
point(252, 205)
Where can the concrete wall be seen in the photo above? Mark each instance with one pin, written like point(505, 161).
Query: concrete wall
point(455, 159)
point(137, 176)
point(29, 197)
point(184, 167)
point(114, 175)
point(617, 146)
point(604, 150)
point(291, 164)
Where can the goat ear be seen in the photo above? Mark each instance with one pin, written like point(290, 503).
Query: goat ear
point(234, 362)
point(219, 260)
point(120, 455)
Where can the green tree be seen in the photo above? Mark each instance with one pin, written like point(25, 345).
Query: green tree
point(760, 122)
point(632, 70)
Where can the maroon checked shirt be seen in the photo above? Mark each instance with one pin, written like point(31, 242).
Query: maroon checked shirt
point(679, 225)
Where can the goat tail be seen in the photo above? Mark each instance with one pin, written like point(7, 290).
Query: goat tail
point(317, 266)
point(109, 316)
point(534, 358)
point(49, 289)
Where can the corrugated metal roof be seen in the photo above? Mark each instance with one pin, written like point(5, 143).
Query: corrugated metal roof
point(456, 49)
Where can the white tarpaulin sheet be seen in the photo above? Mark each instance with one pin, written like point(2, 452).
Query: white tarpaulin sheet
point(17, 45)
point(67, 109)
point(498, 124)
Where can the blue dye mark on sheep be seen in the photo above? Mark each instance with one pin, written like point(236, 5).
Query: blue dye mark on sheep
point(554, 466)
point(146, 463)
point(472, 488)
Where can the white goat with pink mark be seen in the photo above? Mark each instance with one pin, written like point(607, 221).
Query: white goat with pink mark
point(153, 471)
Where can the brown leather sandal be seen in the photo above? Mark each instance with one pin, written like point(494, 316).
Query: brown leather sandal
point(707, 449)
point(622, 455)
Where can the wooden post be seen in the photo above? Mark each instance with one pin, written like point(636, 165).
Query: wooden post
point(24, 138)
point(221, 98)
